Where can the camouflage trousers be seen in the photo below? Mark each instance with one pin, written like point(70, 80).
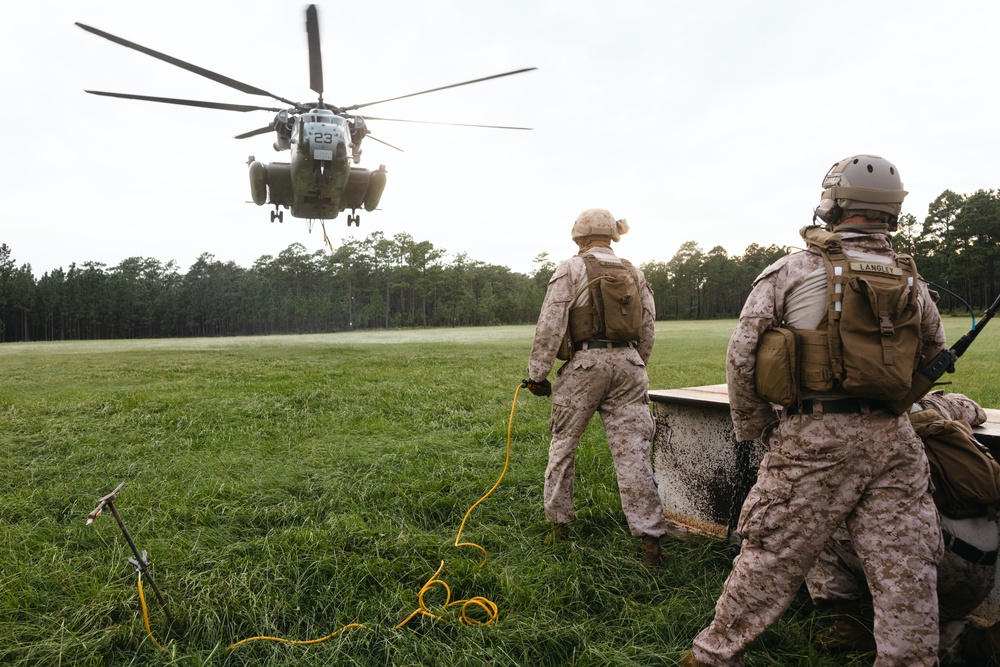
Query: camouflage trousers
point(838, 574)
point(866, 471)
point(614, 384)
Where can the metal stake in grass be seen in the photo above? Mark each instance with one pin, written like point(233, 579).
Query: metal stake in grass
point(140, 561)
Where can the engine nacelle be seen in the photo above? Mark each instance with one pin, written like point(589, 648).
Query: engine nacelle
point(258, 183)
point(376, 185)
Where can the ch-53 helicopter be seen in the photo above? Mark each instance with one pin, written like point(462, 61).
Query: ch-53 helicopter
point(318, 182)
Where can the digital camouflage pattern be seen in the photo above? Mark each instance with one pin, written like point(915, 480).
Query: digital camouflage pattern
point(955, 406)
point(611, 382)
point(865, 470)
point(838, 573)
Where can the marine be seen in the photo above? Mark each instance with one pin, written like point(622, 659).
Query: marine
point(598, 315)
point(834, 456)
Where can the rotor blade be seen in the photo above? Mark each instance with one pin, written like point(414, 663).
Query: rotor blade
point(431, 122)
point(224, 80)
point(434, 90)
point(190, 103)
point(315, 56)
point(254, 133)
point(386, 143)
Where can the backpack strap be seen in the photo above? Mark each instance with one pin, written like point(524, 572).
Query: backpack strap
point(837, 271)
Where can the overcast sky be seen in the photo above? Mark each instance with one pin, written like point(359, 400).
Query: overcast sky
point(711, 122)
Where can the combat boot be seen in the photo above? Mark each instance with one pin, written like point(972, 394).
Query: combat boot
point(981, 646)
point(651, 552)
point(848, 632)
point(559, 532)
point(688, 660)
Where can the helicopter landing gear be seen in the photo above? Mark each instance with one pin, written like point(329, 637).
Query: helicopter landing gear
point(277, 215)
point(354, 219)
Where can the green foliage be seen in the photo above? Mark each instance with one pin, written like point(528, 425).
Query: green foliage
point(380, 282)
point(289, 486)
point(373, 283)
point(377, 282)
point(696, 285)
point(959, 248)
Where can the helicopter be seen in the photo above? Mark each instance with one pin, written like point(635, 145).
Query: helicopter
point(322, 177)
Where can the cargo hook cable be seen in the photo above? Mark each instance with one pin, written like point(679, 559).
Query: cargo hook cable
point(326, 239)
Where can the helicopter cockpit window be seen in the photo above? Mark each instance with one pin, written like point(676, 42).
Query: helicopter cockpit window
point(323, 116)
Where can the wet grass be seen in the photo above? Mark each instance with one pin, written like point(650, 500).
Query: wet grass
point(290, 486)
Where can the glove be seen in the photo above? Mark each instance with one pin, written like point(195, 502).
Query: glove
point(543, 388)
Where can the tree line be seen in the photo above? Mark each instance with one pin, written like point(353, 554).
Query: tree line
point(377, 282)
point(382, 282)
point(956, 248)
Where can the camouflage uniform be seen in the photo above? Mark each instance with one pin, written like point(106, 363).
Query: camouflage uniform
point(612, 382)
point(866, 470)
point(962, 586)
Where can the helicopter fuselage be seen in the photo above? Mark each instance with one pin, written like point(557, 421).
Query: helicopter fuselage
point(320, 166)
point(319, 181)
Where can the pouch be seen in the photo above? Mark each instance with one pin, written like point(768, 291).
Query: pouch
point(776, 375)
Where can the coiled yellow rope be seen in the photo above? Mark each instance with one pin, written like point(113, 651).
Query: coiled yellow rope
point(482, 603)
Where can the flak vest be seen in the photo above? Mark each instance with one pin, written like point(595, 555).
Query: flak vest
point(615, 309)
point(868, 342)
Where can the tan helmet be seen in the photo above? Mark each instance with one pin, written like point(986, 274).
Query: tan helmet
point(598, 223)
point(865, 182)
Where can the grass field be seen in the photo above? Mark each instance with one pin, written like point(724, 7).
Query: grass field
point(290, 486)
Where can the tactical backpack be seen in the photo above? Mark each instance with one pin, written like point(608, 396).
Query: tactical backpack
point(615, 309)
point(966, 477)
point(873, 337)
point(868, 343)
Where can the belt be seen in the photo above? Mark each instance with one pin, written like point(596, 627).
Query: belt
point(836, 406)
point(598, 345)
point(966, 551)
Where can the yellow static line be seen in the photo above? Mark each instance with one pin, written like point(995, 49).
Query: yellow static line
point(482, 603)
point(145, 616)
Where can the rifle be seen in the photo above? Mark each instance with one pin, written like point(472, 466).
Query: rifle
point(927, 377)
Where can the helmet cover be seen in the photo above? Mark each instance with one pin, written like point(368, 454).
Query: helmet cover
point(598, 223)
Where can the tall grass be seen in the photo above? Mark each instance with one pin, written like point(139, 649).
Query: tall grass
point(290, 486)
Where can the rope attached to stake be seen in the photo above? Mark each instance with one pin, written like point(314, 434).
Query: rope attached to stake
point(145, 617)
point(486, 605)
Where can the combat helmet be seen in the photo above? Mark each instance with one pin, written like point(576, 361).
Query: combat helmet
point(598, 223)
point(862, 183)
